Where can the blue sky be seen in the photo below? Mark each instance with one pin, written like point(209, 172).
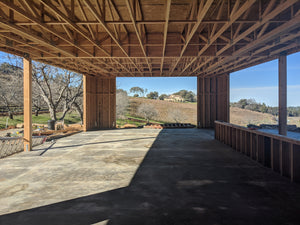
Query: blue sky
point(259, 82)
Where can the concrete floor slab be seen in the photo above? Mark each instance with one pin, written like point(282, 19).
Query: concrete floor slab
point(140, 176)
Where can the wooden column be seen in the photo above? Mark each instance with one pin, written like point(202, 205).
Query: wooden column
point(99, 103)
point(85, 103)
point(213, 100)
point(282, 94)
point(200, 102)
point(27, 86)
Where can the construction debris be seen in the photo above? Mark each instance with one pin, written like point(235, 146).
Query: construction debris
point(169, 125)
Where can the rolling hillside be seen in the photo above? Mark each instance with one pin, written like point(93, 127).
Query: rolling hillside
point(189, 111)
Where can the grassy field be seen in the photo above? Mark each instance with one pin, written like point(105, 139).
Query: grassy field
point(121, 122)
point(188, 110)
point(71, 118)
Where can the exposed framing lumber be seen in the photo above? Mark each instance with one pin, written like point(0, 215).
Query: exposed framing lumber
point(85, 18)
point(282, 94)
point(260, 142)
point(201, 14)
point(27, 89)
point(93, 38)
point(263, 40)
point(137, 33)
point(265, 19)
point(78, 29)
point(148, 22)
point(233, 17)
point(167, 16)
point(101, 21)
point(28, 34)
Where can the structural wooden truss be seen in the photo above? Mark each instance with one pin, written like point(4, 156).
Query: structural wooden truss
point(112, 38)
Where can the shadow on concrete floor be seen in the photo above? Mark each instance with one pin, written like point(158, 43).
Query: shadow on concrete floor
point(182, 180)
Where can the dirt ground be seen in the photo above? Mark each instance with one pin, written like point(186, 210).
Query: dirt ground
point(70, 129)
point(238, 116)
point(189, 110)
point(243, 117)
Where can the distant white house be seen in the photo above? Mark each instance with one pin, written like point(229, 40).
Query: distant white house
point(174, 98)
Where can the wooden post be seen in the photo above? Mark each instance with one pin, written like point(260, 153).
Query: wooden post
point(27, 86)
point(282, 94)
point(85, 102)
point(199, 102)
point(227, 98)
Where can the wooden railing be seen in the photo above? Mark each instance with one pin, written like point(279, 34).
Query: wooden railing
point(278, 152)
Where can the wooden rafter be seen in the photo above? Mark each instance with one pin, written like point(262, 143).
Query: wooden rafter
point(232, 18)
point(167, 16)
point(101, 21)
point(264, 39)
point(85, 18)
point(255, 26)
point(111, 38)
point(201, 14)
point(137, 33)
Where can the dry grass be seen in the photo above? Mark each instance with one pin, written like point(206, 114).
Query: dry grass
point(243, 117)
point(238, 116)
point(164, 108)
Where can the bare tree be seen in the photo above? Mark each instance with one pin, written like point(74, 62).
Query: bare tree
point(147, 111)
point(78, 107)
point(121, 103)
point(176, 115)
point(73, 92)
point(11, 88)
point(59, 88)
point(37, 99)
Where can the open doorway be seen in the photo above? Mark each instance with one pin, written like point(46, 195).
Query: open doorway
point(157, 100)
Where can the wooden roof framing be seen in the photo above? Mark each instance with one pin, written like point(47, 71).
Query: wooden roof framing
point(150, 38)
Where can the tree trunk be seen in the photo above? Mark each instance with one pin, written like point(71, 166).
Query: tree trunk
point(10, 115)
point(37, 112)
point(52, 113)
point(64, 114)
point(79, 111)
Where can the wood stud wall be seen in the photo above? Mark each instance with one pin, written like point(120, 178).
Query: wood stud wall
point(99, 103)
point(213, 100)
point(277, 152)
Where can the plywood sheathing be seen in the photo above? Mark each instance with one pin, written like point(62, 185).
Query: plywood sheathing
point(213, 100)
point(99, 103)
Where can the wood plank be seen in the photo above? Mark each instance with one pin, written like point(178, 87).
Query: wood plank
point(233, 18)
point(27, 90)
point(282, 95)
point(280, 158)
point(201, 14)
point(167, 16)
point(138, 34)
